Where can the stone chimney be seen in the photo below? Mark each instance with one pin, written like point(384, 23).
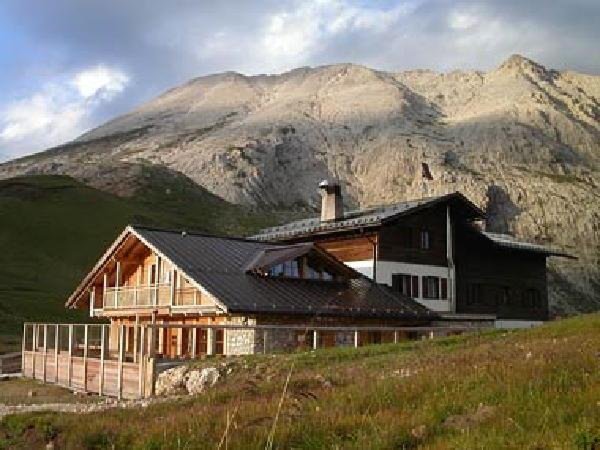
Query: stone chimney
point(332, 207)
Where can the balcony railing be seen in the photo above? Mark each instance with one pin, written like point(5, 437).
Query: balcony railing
point(150, 296)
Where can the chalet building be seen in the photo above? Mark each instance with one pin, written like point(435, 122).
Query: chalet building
point(152, 276)
point(433, 250)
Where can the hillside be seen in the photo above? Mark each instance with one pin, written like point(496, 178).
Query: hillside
point(523, 141)
point(53, 228)
point(534, 389)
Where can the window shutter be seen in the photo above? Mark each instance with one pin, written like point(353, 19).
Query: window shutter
point(444, 289)
point(415, 286)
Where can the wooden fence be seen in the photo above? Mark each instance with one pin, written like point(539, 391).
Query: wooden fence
point(123, 361)
point(86, 358)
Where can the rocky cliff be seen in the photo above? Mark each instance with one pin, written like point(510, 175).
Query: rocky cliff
point(522, 140)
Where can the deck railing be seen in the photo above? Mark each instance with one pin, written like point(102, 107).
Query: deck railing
point(150, 296)
point(124, 360)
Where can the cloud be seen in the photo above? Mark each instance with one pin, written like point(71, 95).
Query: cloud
point(58, 112)
point(100, 81)
point(162, 44)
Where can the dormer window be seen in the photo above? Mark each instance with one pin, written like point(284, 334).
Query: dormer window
point(286, 269)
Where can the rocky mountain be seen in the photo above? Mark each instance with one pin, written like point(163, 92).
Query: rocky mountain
point(522, 140)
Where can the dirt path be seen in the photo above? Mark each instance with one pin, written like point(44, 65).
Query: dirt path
point(81, 408)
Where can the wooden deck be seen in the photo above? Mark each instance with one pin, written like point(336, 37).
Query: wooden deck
point(104, 377)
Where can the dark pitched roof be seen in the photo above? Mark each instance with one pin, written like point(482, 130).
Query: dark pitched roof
point(369, 217)
point(220, 265)
point(510, 242)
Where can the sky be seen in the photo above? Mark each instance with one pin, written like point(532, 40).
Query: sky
point(69, 65)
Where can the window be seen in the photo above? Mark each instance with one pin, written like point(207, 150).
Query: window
point(402, 283)
point(444, 286)
point(425, 240)
point(406, 284)
point(431, 287)
point(286, 269)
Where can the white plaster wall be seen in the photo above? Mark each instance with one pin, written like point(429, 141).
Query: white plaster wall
point(385, 270)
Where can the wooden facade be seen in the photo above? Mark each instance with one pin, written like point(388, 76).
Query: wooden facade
point(439, 257)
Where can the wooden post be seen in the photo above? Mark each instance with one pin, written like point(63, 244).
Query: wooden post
point(135, 338)
point(355, 338)
point(23, 348)
point(85, 356)
point(105, 286)
point(45, 352)
point(101, 370)
point(315, 339)
point(117, 281)
point(70, 367)
point(180, 342)
point(142, 365)
point(92, 301)
point(156, 279)
point(120, 364)
point(396, 337)
point(265, 341)
point(172, 287)
point(56, 343)
point(210, 341)
point(34, 347)
point(194, 341)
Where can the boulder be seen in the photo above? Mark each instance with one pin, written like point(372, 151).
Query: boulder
point(198, 380)
point(171, 381)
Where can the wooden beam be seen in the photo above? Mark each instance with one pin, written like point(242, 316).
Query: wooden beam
point(172, 277)
point(56, 343)
point(135, 338)
point(85, 356)
point(142, 364)
point(120, 363)
point(315, 339)
point(117, 282)
point(23, 348)
point(210, 341)
point(102, 350)
point(194, 341)
point(70, 367)
point(105, 286)
point(355, 338)
point(156, 279)
point(34, 348)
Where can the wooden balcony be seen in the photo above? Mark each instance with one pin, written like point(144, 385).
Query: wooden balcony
point(153, 296)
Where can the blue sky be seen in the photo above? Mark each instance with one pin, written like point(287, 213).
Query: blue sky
point(68, 65)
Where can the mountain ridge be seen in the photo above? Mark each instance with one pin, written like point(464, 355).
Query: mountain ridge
point(520, 140)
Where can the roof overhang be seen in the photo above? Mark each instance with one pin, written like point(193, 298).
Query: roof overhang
point(130, 231)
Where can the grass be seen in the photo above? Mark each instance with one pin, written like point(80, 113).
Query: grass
point(53, 229)
point(532, 389)
point(16, 391)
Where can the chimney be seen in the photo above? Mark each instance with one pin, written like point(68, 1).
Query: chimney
point(332, 207)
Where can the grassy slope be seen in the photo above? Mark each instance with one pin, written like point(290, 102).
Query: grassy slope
point(52, 229)
point(534, 389)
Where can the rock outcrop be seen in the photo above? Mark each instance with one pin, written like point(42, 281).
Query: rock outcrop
point(522, 140)
point(183, 379)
